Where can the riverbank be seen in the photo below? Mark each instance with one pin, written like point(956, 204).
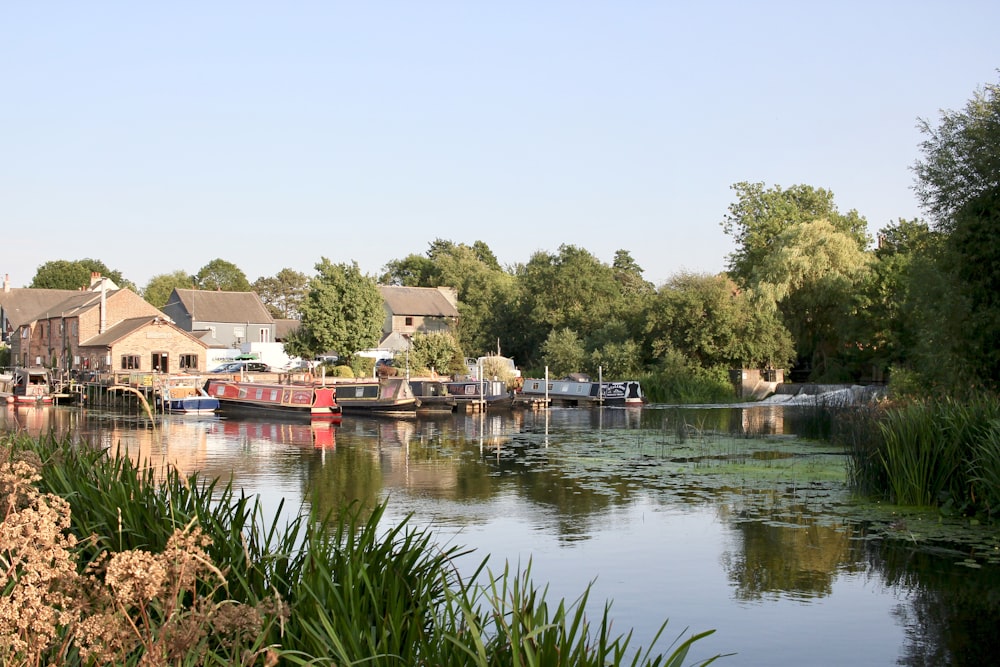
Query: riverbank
point(110, 563)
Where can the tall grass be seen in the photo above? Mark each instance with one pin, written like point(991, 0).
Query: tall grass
point(162, 569)
point(928, 453)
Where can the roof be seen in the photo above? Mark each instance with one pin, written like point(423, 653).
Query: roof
point(217, 306)
point(130, 326)
point(26, 304)
point(284, 327)
point(422, 301)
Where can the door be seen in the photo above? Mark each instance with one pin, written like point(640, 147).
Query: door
point(159, 362)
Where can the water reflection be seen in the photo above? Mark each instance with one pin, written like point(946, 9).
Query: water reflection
point(712, 517)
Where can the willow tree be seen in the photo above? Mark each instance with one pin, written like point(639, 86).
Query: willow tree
point(814, 276)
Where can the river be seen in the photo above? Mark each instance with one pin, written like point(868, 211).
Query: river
point(713, 518)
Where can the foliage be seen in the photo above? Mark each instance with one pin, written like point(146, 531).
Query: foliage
point(934, 452)
point(437, 351)
point(760, 216)
point(74, 275)
point(569, 290)
point(677, 380)
point(812, 275)
point(221, 275)
point(711, 320)
point(283, 293)
point(343, 311)
point(958, 183)
point(159, 288)
point(189, 573)
point(621, 360)
point(563, 352)
point(340, 371)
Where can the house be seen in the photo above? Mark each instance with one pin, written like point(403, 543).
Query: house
point(104, 328)
point(150, 344)
point(19, 305)
point(411, 310)
point(221, 319)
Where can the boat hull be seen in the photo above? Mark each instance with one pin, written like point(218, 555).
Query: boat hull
point(260, 399)
point(384, 396)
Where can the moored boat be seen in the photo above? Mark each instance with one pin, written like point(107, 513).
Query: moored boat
point(186, 399)
point(260, 398)
point(583, 392)
point(390, 395)
point(433, 395)
point(27, 386)
point(474, 394)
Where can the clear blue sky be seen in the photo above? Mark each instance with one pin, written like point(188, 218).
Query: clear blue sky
point(159, 136)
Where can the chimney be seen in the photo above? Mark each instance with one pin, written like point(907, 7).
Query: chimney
point(6, 282)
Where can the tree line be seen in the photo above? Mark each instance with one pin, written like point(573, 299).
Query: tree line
point(808, 287)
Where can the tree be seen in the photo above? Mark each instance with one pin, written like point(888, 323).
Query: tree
point(282, 293)
point(563, 352)
point(343, 311)
point(438, 351)
point(571, 289)
point(758, 217)
point(958, 183)
point(961, 158)
point(159, 288)
point(220, 275)
point(814, 275)
point(74, 275)
point(715, 324)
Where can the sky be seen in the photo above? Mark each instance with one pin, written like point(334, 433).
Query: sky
point(157, 137)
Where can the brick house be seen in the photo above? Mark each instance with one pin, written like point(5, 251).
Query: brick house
point(73, 334)
point(19, 305)
point(150, 344)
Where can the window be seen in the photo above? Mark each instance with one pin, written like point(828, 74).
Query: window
point(159, 362)
point(130, 362)
point(189, 362)
point(409, 321)
point(265, 335)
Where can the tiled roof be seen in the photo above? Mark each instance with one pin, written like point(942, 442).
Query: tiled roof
point(126, 327)
point(422, 301)
point(24, 304)
point(212, 306)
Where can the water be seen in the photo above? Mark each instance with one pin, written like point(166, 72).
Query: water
point(665, 514)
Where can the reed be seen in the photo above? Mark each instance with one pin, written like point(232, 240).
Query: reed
point(157, 568)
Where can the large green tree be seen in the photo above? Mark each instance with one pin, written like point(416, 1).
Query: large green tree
point(571, 289)
point(958, 183)
point(713, 322)
point(65, 274)
point(159, 288)
point(814, 275)
point(283, 292)
point(760, 215)
point(343, 312)
point(220, 274)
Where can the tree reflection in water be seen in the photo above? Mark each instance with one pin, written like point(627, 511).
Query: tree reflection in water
point(788, 539)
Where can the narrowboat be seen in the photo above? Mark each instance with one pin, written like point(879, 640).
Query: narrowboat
point(583, 392)
point(472, 394)
point(433, 395)
point(262, 398)
point(390, 395)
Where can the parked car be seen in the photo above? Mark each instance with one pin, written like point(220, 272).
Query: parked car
point(242, 367)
